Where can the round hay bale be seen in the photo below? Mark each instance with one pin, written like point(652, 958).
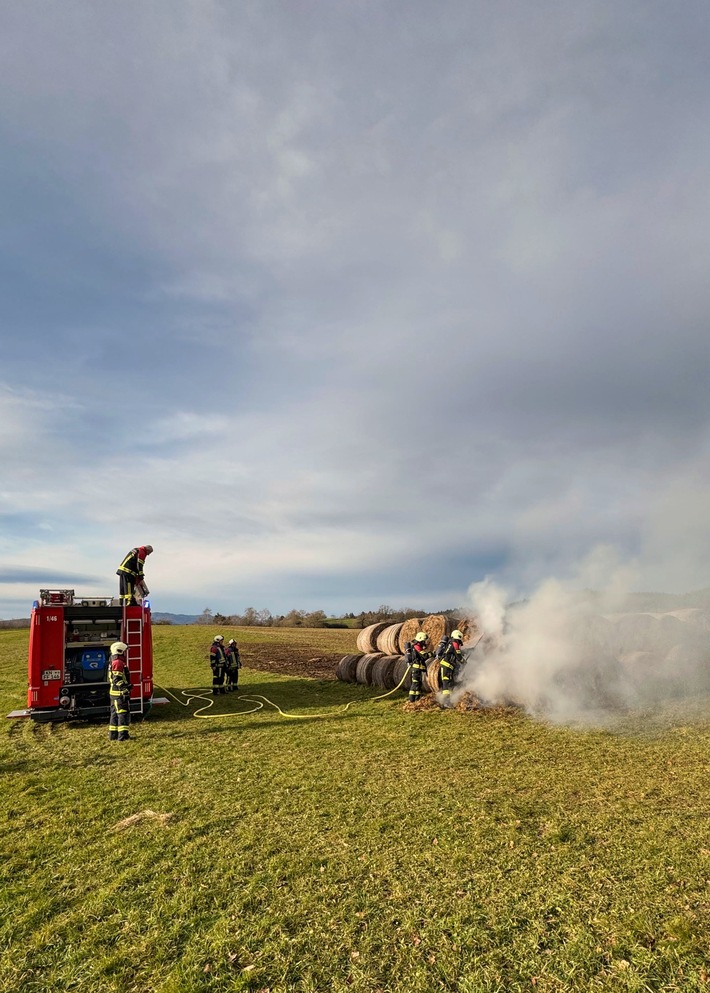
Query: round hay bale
point(367, 639)
point(400, 670)
point(436, 626)
point(407, 631)
point(387, 640)
point(468, 628)
point(364, 669)
point(382, 672)
point(389, 676)
point(347, 667)
point(432, 681)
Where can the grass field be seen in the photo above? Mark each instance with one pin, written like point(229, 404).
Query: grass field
point(368, 850)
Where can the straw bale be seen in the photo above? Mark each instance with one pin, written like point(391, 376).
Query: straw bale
point(367, 638)
point(387, 640)
point(382, 672)
point(436, 626)
point(347, 668)
point(407, 631)
point(468, 628)
point(431, 677)
point(365, 667)
point(402, 671)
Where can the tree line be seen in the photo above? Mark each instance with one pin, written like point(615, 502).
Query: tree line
point(310, 619)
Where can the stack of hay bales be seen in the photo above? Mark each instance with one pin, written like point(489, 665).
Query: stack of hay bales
point(381, 648)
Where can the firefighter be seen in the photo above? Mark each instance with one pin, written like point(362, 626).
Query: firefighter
point(218, 664)
point(418, 656)
point(130, 573)
point(234, 664)
point(119, 693)
point(451, 658)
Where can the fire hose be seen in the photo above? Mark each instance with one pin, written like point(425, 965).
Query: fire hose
point(205, 694)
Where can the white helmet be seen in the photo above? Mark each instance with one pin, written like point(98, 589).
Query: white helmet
point(219, 637)
point(118, 648)
point(456, 635)
point(232, 641)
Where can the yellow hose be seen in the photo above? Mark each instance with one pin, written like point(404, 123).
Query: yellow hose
point(205, 693)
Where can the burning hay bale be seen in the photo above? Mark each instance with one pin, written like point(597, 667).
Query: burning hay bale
point(437, 625)
point(432, 682)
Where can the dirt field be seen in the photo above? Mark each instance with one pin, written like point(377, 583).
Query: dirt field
point(295, 660)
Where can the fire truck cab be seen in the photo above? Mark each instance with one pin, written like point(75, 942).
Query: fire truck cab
point(70, 640)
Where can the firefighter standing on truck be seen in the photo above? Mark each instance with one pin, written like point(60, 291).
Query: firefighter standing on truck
point(130, 574)
point(119, 693)
point(218, 664)
point(234, 664)
point(418, 655)
point(451, 659)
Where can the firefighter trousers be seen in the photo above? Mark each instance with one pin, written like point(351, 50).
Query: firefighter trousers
point(232, 676)
point(415, 690)
point(127, 589)
point(218, 679)
point(120, 717)
point(448, 672)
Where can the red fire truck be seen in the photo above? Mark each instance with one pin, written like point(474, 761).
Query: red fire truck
point(70, 640)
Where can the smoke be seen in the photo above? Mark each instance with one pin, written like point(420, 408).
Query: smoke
point(570, 653)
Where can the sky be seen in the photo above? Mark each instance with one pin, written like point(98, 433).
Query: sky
point(339, 304)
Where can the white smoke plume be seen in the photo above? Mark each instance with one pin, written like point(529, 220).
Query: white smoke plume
point(571, 655)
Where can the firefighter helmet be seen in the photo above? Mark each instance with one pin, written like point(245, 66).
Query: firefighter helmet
point(232, 641)
point(118, 648)
point(456, 635)
point(219, 637)
point(148, 549)
point(421, 636)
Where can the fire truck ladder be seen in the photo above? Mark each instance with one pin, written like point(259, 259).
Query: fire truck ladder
point(133, 637)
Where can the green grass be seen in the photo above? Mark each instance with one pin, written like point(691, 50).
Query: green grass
point(371, 850)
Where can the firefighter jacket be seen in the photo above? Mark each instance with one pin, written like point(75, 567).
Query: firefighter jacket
point(452, 657)
point(233, 659)
point(133, 563)
point(420, 656)
point(119, 677)
point(218, 659)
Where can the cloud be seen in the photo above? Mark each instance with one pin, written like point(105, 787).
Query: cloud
point(10, 574)
point(297, 296)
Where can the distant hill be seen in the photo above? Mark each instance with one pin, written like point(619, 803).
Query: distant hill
point(158, 616)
